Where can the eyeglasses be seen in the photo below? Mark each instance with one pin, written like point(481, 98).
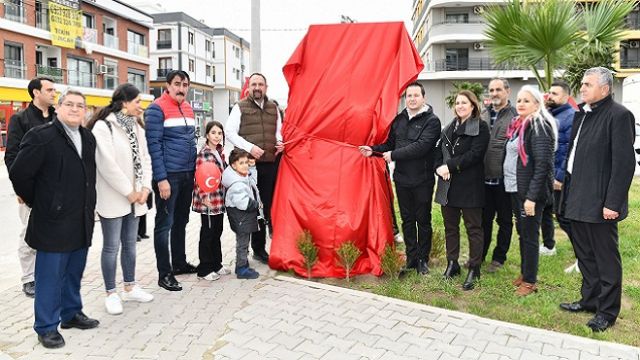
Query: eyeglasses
point(79, 106)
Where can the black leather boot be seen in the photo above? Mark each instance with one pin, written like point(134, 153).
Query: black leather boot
point(472, 277)
point(453, 269)
point(423, 267)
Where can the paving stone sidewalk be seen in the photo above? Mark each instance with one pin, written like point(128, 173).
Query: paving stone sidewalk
point(276, 317)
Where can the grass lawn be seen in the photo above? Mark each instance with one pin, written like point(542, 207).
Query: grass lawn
point(494, 297)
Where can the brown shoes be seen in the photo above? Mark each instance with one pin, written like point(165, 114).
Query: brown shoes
point(526, 288)
point(517, 282)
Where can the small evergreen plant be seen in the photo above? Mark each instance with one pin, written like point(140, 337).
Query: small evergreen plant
point(308, 250)
point(348, 253)
point(391, 262)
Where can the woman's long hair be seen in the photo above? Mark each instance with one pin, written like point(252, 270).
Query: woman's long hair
point(122, 94)
point(541, 114)
point(208, 127)
point(473, 99)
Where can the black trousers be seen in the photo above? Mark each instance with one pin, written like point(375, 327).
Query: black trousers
point(498, 206)
point(267, 173)
point(473, 223)
point(415, 212)
point(209, 247)
point(548, 227)
point(596, 246)
point(528, 231)
point(565, 224)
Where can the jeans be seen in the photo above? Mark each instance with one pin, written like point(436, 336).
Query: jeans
point(529, 231)
point(242, 248)
point(58, 278)
point(209, 247)
point(115, 231)
point(172, 215)
point(415, 212)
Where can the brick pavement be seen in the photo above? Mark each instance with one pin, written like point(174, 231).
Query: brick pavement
point(276, 317)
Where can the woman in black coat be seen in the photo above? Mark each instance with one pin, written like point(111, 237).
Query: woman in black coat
point(460, 167)
point(528, 177)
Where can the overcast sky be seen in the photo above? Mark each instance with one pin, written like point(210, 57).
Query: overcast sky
point(284, 23)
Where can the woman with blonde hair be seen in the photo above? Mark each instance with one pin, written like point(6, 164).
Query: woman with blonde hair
point(528, 177)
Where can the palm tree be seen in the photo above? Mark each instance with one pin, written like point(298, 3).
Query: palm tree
point(604, 25)
point(529, 33)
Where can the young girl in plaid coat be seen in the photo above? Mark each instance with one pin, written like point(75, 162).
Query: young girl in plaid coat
point(211, 207)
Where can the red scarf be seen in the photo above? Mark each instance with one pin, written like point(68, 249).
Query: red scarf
point(519, 125)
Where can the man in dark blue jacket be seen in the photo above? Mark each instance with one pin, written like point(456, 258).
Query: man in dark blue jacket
point(171, 138)
point(558, 104)
point(411, 144)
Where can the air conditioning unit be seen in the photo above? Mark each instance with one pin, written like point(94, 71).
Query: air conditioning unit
point(634, 44)
point(478, 9)
point(478, 46)
point(103, 69)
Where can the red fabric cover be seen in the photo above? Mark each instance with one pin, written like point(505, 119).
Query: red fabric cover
point(345, 81)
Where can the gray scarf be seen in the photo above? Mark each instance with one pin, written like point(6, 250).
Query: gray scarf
point(128, 124)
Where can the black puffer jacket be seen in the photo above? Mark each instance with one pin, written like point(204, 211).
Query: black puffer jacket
point(535, 181)
point(20, 123)
point(412, 144)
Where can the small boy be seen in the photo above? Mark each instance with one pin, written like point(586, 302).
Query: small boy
point(242, 202)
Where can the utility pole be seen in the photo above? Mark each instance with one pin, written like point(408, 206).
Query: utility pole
point(256, 56)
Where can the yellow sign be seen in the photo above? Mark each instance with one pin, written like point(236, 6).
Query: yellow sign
point(66, 25)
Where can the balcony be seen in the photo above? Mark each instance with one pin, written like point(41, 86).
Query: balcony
point(470, 64)
point(79, 78)
point(14, 12)
point(110, 41)
point(42, 19)
point(52, 72)
point(456, 31)
point(162, 73)
point(137, 49)
point(14, 69)
point(630, 63)
point(163, 44)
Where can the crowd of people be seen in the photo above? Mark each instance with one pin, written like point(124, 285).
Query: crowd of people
point(524, 162)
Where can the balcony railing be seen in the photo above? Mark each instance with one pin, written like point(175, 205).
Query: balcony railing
point(137, 49)
point(14, 69)
point(14, 12)
point(42, 19)
point(630, 63)
point(471, 64)
point(110, 41)
point(458, 22)
point(52, 72)
point(633, 23)
point(163, 44)
point(79, 78)
point(162, 73)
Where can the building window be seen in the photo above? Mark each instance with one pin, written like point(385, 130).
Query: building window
point(135, 44)
point(13, 64)
point(164, 39)
point(14, 10)
point(207, 45)
point(165, 64)
point(633, 19)
point(457, 59)
point(88, 21)
point(42, 16)
point(137, 78)
point(111, 75)
point(457, 18)
point(192, 65)
point(80, 72)
point(134, 37)
point(213, 50)
point(191, 38)
point(237, 53)
point(213, 73)
point(208, 70)
point(630, 54)
point(236, 72)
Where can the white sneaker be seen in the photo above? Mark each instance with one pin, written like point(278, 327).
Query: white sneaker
point(398, 238)
point(546, 251)
point(224, 271)
point(137, 294)
point(113, 304)
point(212, 276)
point(573, 268)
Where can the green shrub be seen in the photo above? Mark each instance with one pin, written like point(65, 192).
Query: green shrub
point(308, 250)
point(348, 253)
point(391, 262)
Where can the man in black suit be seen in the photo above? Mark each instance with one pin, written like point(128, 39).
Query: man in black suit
point(599, 171)
point(55, 174)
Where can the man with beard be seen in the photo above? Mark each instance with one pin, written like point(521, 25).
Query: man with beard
point(171, 138)
point(254, 125)
point(563, 112)
point(497, 202)
point(39, 112)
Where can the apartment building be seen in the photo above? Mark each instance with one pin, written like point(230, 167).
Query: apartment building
point(91, 45)
point(449, 36)
point(213, 58)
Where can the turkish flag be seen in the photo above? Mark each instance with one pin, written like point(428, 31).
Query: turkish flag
point(345, 81)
